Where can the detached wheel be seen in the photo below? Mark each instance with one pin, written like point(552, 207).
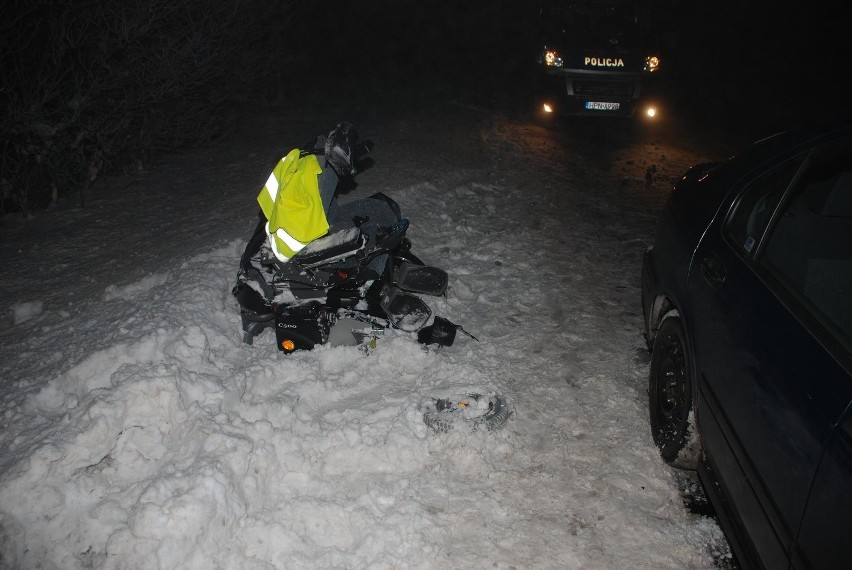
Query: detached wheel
point(670, 397)
point(472, 410)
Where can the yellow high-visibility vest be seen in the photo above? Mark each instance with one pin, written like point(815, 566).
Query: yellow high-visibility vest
point(291, 202)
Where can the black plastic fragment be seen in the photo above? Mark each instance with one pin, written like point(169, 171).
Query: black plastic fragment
point(441, 332)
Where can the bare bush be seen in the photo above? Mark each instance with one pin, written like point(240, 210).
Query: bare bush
point(103, 84)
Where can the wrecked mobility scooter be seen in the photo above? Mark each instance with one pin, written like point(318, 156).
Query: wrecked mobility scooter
point(315, 266)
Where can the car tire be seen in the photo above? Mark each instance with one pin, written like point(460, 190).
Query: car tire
point(670, 397)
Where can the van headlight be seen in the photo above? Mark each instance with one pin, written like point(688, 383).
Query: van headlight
point(551, 58)
point(652, 63)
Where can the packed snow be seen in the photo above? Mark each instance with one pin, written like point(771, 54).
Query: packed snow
point(139, 431)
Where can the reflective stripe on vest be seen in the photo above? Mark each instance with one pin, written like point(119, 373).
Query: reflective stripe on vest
point(288, 240)
point(271, 185)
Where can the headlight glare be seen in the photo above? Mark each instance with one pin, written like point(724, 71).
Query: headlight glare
point(552, 58)
point(652, 63)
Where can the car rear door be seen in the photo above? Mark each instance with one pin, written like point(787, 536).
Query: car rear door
point(772, 375)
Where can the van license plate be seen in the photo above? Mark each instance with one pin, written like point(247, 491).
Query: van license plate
point(602, 105)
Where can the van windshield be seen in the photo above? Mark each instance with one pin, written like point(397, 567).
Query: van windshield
point(591, 23)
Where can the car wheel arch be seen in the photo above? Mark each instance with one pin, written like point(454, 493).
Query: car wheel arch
point(662, 308)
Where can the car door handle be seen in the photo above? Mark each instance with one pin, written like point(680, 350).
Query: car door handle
point(713, 271)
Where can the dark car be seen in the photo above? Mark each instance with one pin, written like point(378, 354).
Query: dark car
point(747, 298)
point(596, 58)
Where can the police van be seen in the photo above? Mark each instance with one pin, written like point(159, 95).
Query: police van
point(596, 58)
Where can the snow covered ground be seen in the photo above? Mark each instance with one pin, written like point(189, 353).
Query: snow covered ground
point(139, 432)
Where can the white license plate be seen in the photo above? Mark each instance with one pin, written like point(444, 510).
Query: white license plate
point(602, 105)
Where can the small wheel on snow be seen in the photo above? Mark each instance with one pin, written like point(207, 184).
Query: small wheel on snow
point(473, 410)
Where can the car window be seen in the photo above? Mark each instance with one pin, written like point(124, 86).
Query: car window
point(808, 247)
point(753, 211)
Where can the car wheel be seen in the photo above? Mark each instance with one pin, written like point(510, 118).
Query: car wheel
point(670, 397)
